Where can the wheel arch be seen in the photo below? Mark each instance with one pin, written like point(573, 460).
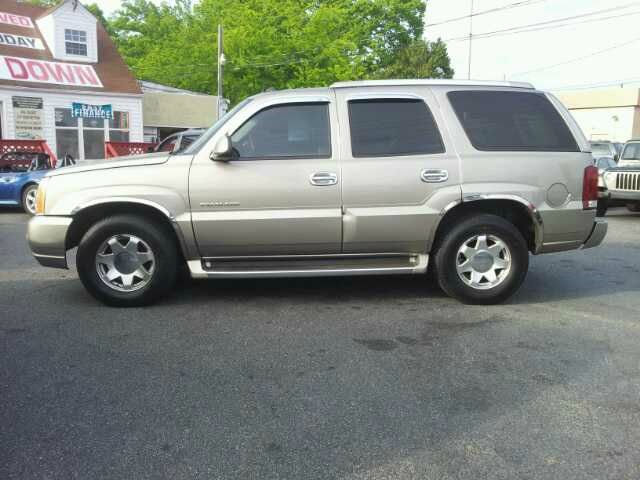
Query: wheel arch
point(87, 215)
point(26, 185)
point(521, 213)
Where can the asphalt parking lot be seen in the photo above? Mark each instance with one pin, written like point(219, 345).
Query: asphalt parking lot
point(354, 378)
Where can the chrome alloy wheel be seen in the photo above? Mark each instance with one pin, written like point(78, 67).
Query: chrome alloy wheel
point(30, 201)
point(125, 263)
point(483, 262)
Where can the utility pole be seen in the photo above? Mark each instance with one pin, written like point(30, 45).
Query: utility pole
point(220, 67)
point(470, 39)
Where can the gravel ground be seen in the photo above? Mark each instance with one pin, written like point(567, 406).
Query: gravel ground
point(353, 378)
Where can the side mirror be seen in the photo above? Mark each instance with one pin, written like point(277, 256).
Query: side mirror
point(151, 149)
point(222, 150)
point(175, 148)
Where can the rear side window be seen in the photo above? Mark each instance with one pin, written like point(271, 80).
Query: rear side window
point(512, 121)
point(392, 127)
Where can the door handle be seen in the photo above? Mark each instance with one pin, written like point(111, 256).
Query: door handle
point(323, 179)
point(434, 175)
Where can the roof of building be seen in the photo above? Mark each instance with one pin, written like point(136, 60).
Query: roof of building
point(600, 98)
point(158, 87)
point(111, 69)
point(431, 82)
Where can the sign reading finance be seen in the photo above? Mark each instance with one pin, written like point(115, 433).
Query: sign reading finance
point(83, 110)
point(27, 114)
point(17, 20)
point(40, 71)
point(20, 41)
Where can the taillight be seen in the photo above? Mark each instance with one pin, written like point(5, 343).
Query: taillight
point(590, 187)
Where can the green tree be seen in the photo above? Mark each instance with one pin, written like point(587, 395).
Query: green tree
point(420, 59)
point(272, 43)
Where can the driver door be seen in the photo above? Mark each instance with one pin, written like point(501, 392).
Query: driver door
point(280, 194)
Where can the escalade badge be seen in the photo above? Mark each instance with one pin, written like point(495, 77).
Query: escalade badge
point(219, 204)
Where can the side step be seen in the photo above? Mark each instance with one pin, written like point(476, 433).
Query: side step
point(308, 265)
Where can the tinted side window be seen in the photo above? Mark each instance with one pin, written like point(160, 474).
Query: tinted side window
point(389, 127)
point(512, 121)
point(296, 130)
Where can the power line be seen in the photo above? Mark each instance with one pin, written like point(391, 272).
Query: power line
point(613, 83)
point(577, 59)
point(548, 23)
point(551, 27)
point(485, 12)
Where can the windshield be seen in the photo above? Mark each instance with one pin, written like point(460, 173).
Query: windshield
point(600, 149)
point(206, 136)
point(631, 152)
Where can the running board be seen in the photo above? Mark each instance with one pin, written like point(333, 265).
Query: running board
point(308, 265)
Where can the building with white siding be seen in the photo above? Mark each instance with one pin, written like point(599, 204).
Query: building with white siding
point(62, 80)
point(605, 114)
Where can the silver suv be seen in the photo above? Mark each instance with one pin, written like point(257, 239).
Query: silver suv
point(361, 178)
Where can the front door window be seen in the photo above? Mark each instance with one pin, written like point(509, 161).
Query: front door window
point(285, 131)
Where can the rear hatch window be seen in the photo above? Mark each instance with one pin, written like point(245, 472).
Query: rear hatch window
point(512, 121)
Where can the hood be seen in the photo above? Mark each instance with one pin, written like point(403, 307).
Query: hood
point(118, 162)
point(625, 168)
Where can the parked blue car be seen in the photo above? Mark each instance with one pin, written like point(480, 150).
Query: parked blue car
point(20, 173)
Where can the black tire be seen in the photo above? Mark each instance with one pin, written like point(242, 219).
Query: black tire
point(446, 258)
point(157, 237)
point(26, 200)
point(633, 207)
point(603, 206)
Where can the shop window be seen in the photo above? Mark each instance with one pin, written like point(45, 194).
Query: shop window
point(119, 127)
point(75, 42)
point(66, 134)
point(93, 143)
point(93, 136)
point(84, 138)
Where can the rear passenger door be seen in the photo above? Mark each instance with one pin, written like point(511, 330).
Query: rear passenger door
point(399, 170)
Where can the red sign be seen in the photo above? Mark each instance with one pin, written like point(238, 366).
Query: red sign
point(40, 71)
point(17, 20)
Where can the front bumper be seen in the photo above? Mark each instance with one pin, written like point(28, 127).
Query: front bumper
point(624, 195)
point(47, 239)
point(597, 235)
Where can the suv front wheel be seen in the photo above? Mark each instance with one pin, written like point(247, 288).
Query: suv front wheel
point(482, 260)
point(127, 261)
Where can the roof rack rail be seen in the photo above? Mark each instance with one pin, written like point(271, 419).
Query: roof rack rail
point(432, 82)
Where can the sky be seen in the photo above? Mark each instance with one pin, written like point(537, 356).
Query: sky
point(525, 56)
point(511, 56)
point(110, 6)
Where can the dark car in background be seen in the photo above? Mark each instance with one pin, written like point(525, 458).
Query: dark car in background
point(179, 141)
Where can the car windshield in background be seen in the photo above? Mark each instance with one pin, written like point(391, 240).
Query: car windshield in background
point(631, 152)
point(197, 145)
point(600, 149)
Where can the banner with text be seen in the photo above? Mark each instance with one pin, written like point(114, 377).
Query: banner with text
point(83, 110)
point(20, 41)
point(16, 20)
point(40, 71)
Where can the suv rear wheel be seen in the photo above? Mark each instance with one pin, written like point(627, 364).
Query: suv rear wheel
point(126, 261)
point(482, 260)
